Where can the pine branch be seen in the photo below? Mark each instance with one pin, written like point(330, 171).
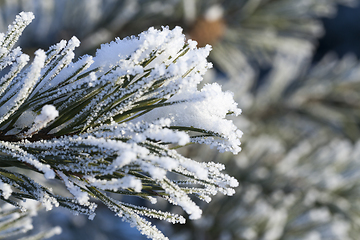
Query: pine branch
point(105, 124)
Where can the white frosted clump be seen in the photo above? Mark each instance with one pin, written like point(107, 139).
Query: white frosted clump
point(48, 201)
point(5, 189)
point(48, 113)
point(25, 17)
point(138, 49)
point(206, 109)
point(124, 158)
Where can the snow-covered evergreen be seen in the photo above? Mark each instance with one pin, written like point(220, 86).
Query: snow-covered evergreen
point(109, 123)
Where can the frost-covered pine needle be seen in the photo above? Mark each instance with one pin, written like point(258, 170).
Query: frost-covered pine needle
point(108, 123)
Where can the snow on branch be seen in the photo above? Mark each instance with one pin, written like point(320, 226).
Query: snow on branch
point(107, 124)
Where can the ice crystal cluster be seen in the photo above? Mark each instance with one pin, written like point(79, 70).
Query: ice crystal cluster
point(107, 125)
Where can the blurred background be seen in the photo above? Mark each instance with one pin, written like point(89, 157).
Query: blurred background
point(293, 68)
point(341, 33)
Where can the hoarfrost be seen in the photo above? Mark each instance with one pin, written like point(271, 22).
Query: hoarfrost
point(110, 123)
